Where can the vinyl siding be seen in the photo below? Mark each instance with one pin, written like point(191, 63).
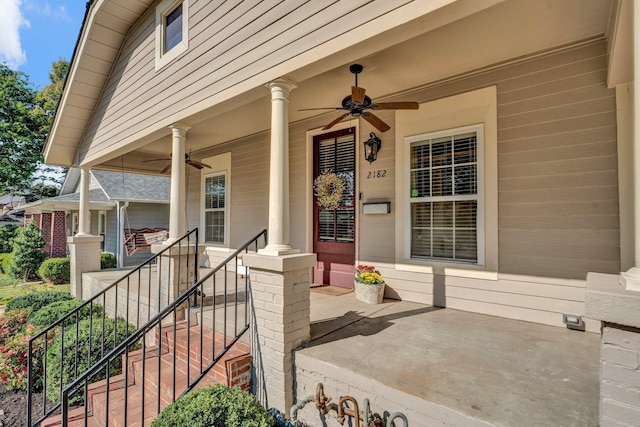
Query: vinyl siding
point(249, 193)
point(557, 191)
point(229, 42)
point(557, 162)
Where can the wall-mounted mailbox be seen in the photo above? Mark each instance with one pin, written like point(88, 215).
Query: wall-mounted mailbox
point(376, 208)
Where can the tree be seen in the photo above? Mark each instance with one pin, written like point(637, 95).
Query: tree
point(27, 252)
point(39, 191)
point(23, 127)
point(49, 96)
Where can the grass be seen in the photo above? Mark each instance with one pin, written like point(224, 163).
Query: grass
point(10, 288)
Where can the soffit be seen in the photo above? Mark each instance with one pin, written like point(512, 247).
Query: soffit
point(105, 27)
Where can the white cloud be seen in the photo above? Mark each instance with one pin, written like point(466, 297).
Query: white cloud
point(11, 20)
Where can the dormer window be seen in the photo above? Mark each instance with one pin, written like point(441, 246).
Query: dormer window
point(171, 30)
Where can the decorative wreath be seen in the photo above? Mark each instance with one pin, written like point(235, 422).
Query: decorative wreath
point(328, 188)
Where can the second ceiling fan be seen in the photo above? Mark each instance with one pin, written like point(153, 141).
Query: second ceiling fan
point(187, 159)
point(358, 104)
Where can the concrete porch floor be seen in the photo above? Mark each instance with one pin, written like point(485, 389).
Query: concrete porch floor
point(489, 369)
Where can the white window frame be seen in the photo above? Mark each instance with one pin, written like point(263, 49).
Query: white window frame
point(220, 165)
point(102, 228)
point(162, 11)
point(478, 129)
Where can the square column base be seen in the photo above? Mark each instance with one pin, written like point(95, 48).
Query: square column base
point(84, 257)
point(280, 322)
point(177, 269)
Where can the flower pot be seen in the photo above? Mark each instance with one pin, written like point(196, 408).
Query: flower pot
point(371, 294)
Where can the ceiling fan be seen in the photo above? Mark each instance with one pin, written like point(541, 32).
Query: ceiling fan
point(360, 105)
point(187, 159)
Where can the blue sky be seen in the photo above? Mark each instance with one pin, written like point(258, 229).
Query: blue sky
point(35, 33)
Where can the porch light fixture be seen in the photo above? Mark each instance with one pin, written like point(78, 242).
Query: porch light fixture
point(371, 147)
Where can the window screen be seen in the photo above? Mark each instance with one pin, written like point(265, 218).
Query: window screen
point(214, 208)
point(444, 198)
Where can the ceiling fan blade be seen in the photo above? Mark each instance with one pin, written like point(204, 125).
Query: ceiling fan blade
point(196, 164)
point(395, 106)
point(376, 121)
point(357, 94)
point(333, 123)
point(157, 160)
point(321, 108)
point(166, 168)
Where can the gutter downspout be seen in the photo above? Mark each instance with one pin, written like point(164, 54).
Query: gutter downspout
point(121, 216)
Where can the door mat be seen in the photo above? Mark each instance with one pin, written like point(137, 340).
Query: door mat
point(330, 290)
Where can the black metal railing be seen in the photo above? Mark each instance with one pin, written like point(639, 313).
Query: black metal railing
point(154, 346)
point(112, 311)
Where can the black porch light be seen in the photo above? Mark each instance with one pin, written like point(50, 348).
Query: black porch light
point(371, 147)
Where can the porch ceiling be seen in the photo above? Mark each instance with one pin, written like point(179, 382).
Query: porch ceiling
point(507, 31)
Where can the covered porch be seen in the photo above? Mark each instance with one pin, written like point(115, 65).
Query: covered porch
point(450, 368)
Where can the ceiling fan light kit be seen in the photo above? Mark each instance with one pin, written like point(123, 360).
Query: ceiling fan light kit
point(358, 104)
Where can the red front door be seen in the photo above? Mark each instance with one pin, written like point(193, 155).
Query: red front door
point(334, 228)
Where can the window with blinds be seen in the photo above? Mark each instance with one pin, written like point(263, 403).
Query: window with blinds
point(338, 155)
point(443, 196)
point(215, 194)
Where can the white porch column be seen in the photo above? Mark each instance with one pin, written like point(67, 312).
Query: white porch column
point(84, 221)
point(631, 278)
point(278, 232)
point(178, 191)
point(84, 248)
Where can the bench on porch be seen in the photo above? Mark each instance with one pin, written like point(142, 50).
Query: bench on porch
point(141, 239)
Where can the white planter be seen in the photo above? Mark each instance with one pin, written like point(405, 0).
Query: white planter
point(371, 294)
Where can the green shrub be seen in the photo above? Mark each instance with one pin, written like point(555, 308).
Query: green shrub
point(7, 232)
point(216, 406)
point(54, 311)
point(5, 261)
point(55, 270)
point(27, 252)
point(86, 329)
point(107, 260)
point(34, 301)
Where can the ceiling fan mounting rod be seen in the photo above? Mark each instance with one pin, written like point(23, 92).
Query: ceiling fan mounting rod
point(356, 69)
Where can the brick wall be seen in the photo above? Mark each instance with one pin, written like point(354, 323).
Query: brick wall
point(58, 239)
point(620, 375)
point(45, 227)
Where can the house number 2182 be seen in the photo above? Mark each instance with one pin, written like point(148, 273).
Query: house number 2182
point(380, 173)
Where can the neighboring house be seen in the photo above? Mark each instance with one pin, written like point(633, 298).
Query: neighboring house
point(8, 201)
point(508, 185)
point(119, 203)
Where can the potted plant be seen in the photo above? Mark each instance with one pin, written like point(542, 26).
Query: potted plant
point(369, 284)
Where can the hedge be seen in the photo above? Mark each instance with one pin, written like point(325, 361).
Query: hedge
point(54, 311)
point(107, 260)
point(36, 300)
point(56, 270)
point(86, 328)
point(216, 406)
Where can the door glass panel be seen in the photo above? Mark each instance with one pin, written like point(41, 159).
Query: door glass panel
point(337, 155)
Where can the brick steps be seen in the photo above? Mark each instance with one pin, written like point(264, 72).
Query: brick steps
point(155, 383)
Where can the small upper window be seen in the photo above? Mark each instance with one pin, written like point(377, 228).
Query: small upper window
point(171, 30)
